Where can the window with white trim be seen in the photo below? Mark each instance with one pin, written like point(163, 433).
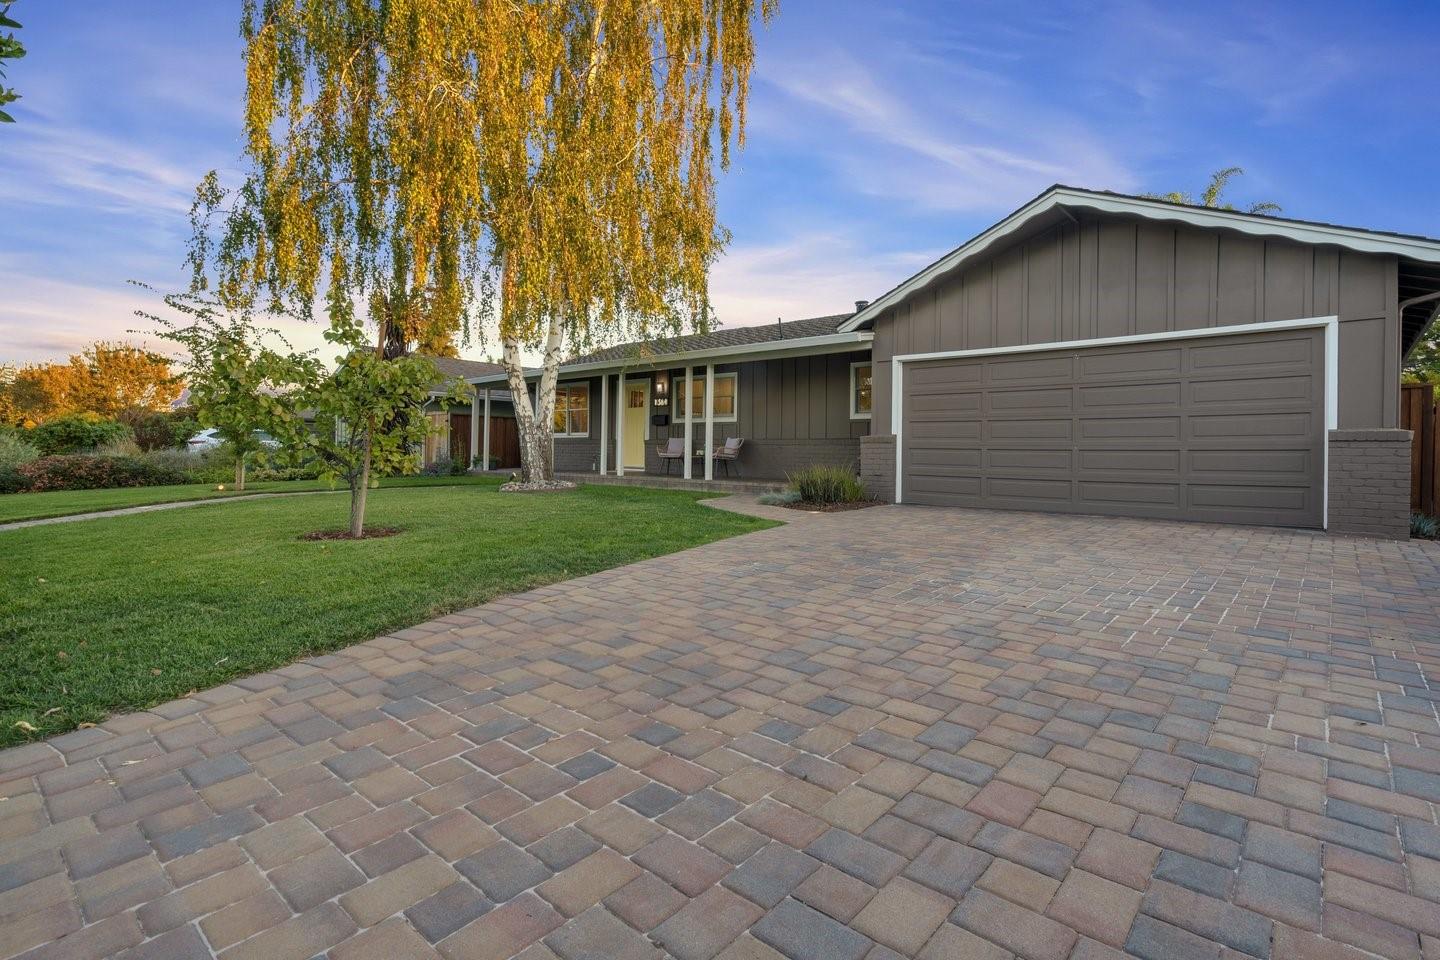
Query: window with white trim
point(727, 397)
point(860, 390)
point(572, 410)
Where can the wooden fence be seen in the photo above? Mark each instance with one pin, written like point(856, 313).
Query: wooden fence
point(1418, 413)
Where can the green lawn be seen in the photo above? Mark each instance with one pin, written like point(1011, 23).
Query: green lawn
point(62, 503)
point(122, 613)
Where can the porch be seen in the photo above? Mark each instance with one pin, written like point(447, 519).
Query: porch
point(660, 480)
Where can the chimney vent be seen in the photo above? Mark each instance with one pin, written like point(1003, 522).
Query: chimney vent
point(861, 305)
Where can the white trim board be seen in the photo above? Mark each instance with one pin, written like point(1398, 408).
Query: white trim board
point(1331, 325)
point(1361, 241)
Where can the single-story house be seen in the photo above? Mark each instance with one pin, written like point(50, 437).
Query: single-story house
point(475, 433)
point(1090, 353)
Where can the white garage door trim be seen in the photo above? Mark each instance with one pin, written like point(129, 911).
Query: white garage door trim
point(1331, 325)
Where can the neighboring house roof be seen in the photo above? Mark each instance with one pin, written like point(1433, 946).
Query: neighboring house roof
point(811, 335)
point(452, 367)
point(714, 340)
point(1419, 255)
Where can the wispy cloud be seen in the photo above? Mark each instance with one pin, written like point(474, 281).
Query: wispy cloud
point(806, 274)
point(986, 154)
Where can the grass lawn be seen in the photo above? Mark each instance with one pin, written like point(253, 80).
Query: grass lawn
point(62, 503)
point(123, 613)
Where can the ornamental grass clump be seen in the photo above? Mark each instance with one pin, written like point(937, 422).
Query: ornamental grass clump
point(826, 485)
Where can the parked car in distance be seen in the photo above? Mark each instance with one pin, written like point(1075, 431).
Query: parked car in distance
point(209, 439)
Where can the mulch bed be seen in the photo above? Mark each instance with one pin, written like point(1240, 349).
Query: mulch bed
point(371, 533)
point(832, 507)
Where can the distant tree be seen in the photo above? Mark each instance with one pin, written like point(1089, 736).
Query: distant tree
point(1214, 194)
point(106, 379)
point(1423, 364)
point(9, 412)
point(10, 49)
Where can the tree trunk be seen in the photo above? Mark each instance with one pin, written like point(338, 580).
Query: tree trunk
point(240, 472)
point(535, 423)
point(359, 490)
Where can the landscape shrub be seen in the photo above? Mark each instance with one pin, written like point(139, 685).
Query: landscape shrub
point(118, 448)
point(781, 499)
point(76, 433)
point(1424, 527)
point(10, 480)
point(824, 484)
point(161, 431)
point(15, 450)
point(441, 466)
point(88, 472)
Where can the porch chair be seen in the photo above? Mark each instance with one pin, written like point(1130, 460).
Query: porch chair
point(674, 450)
point(730, 453)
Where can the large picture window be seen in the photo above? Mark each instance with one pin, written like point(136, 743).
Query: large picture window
point(860, 390)
point(572, 410)
point(727, 387)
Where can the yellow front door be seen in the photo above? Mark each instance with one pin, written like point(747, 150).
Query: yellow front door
point(637, 416)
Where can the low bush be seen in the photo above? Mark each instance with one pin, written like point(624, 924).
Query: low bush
point(14, 450)
point(441, 466)
point(118, 448)
point(822, 484)
point(1424, 527)
point(85, 472)
point(781, 499)
point(10, 480)
point(76, 433)
point(161, 431)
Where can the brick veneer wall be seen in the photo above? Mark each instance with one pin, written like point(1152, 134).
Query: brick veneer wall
point(1370, 482)
point(877, 466)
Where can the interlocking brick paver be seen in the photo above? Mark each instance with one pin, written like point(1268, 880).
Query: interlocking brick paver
point(990, 736)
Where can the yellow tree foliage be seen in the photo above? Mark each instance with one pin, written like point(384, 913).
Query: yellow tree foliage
point(105, 379)
point(548, 165)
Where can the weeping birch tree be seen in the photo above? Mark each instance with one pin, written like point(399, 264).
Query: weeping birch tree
point(541, 168)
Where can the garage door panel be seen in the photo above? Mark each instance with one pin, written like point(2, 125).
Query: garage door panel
point(1215, 428)
point(1145, 395)
point(1264, 461)
point(1267, 426)
point(944, 405)
point(1040, 429)
point(1057, 400)
point(1097, 366)
point(1129, 428)
point(1254, 391)
point(1021, 488)
point(1120, 492)
point(1028, 460)
point(1123, 462)
point(1274, 353)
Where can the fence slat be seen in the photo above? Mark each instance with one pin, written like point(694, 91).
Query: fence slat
point(1418, 413)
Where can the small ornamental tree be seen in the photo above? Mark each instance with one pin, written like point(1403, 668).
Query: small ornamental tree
point(369, 414)
point(238, 385)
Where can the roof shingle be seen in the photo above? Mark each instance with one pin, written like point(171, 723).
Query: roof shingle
point(714, 340)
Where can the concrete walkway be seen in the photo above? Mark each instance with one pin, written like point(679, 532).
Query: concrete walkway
point(150, 508)
point(896, 732)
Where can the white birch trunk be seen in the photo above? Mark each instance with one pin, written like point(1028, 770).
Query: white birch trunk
point(535, 423)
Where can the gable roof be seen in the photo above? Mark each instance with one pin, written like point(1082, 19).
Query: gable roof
point(715, 340)
point(1060, 197)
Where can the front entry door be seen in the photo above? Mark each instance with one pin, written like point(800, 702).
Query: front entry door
point(637, 419)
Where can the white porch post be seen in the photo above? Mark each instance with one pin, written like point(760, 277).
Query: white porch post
point(709, 421)
point(485, 441)
point(604, 422)
point(620, 424)
point(474, 427)
point(689, 424)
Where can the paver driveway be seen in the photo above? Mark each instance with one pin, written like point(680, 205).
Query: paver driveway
point(986, 734)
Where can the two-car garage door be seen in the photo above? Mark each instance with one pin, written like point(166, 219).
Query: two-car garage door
point(1226, 428)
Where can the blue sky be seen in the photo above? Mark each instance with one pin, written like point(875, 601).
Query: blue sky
point(881, 135)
